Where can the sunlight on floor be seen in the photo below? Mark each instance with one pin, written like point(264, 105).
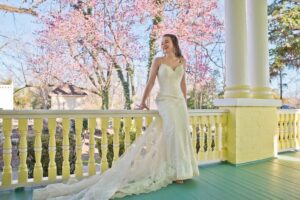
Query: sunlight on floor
point(288, 158)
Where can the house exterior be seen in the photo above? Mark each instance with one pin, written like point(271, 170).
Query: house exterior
point(7, 97)
point(68, 97)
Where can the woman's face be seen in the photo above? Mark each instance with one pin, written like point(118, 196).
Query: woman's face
point(167, 45)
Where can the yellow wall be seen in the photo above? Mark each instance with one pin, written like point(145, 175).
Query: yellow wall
point(251, 132)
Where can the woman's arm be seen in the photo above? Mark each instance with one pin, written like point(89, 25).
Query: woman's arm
point(183, 82)
point(151, 80)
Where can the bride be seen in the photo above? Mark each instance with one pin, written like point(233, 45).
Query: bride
point(161, 155)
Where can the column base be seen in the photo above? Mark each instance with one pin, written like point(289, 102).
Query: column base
point(252, 128)
point(262, 93)
point(237, 91)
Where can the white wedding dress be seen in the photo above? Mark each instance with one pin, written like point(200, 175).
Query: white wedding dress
point(162, 154)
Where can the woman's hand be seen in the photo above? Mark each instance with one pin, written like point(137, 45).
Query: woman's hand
point(142, 106)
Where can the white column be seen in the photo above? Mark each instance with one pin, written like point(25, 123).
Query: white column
point(258, 54)
point(237, 82)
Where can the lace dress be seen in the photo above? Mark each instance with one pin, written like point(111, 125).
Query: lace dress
point(162, 154)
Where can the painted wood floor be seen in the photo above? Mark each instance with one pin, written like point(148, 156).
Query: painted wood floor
point(277, 178)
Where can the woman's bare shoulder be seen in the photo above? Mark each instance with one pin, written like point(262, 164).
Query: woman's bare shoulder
point(157, 60)
point(183, 61)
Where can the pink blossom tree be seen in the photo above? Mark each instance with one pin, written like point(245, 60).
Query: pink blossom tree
point(85, 43)
point(199, 32)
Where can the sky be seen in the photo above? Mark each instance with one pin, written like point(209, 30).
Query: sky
point(22, 29)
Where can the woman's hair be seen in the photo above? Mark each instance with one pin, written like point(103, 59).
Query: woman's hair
point(175, 44)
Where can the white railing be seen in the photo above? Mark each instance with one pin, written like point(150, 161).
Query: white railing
point(47, 127)
point(288, 137)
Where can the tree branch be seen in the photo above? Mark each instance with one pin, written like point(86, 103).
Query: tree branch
point(19, 89)
point(5, 44)
point(13, 9)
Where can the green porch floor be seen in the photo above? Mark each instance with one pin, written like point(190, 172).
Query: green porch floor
point(272, 179)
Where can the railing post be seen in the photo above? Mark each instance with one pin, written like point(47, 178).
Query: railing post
point(38, 170)
point(224, 136)
point(194, 133)
point(218, 137)
point(92, 164)
point(66, 149)
point(138, 126)
point(78, 165)
point(201, 154)
point(281, 132)
point(149, 119)
point(127, 125)
point(52, 173)
point(286, 132)
point(252, 125)
point(116, 142)
point(210, 135)
point(23, 171)
point(292, 131)
point(104, 126)
point(7, 171)
point(298, 130)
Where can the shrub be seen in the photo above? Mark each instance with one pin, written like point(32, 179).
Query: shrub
point(110, 152)
point(45, 155)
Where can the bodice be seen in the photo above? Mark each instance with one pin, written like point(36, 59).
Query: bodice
point(169, 80)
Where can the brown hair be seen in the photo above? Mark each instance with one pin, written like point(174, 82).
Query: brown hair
point(175, 44)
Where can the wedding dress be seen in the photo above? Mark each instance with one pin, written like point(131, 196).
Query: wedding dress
point(162, 154)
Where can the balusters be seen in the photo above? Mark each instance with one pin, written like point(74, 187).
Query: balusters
point(104, 126)
point(281, 132)
point(38, 170)
point(78, 164)
point(210, 136)
point(149, 120)
point(127, 125)
point(210, 128)
point(286, 131)
point(66, 149)
point(201, 153)
point(116, 142)
point(298, 130)
point(52, 173)
point(224, 135)
point(138, 126)
point(7, 170)
point(92, 163)
point(295, 130)
point(23, 171)
point(292, 131)
point(194, 133)
point(289, 131)
point(218, 137)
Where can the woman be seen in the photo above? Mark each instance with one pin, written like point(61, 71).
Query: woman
point(161, 155)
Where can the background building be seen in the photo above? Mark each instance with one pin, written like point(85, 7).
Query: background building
point(7, 97)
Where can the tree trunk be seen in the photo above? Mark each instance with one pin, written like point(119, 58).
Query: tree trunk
point(201, 100)
point(126, 88)
point(104, 93)
point(153, 36)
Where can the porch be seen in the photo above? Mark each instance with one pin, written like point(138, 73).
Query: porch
point(277, 178)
